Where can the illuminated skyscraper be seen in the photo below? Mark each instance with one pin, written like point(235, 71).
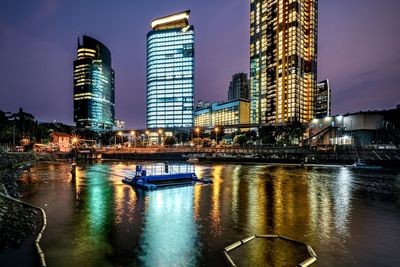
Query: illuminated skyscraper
point(94, 89)
point(283, 60)
point(170, 72)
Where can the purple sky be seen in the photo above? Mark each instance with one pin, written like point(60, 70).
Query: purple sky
point(359, 45)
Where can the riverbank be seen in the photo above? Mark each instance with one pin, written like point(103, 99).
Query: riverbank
point(20, 223)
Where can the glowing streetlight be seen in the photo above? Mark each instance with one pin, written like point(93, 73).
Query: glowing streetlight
point(160, 136)
point(133, 133)
point(216, 134)
point(147, 134)
point(197, 130)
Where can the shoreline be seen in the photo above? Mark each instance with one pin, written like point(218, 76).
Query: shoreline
point(20, 221)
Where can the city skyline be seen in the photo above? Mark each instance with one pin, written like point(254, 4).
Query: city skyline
point(48, 28)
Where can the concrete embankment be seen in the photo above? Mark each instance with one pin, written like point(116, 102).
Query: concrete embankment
point(19, 222)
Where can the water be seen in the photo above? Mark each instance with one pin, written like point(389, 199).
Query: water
point(350, 218)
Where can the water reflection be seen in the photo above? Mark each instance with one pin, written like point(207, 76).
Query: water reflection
point(97, 220)
point(169, 234)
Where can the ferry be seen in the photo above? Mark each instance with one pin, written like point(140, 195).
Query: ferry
point(158, 176)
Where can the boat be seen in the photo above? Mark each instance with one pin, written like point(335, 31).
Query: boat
point(170, 176)
point(361, 164)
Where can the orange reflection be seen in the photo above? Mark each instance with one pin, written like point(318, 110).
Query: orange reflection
point(215, 203)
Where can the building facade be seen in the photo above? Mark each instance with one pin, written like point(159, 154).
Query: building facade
point(170, 72)
point(283, 60)
point(229, 113)
point(239, 87)
point(94, 86)
point(323, 100)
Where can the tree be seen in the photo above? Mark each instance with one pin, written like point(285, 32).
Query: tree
point(197, 141)
point(267, 134)
point(240, 140)
point(206, 142)
point(169, 141)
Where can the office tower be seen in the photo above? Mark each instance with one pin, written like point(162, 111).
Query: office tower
point(323, 100)
point(239, 87)
point(94, 89)
point(170, 72)
point(283, 60)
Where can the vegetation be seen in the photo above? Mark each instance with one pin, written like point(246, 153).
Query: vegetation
point(169, 141)
point(240, 139)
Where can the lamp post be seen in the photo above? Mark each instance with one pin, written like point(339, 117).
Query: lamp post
point(197, 130)
point(160, 134)
point(133, 133)
point(216, 134)
point(147, 137)
point(122, 137)
point(75, 145)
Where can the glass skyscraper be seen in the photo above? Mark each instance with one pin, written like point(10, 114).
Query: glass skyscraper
point(94, 86)
point(283, 60)
point(170, 72)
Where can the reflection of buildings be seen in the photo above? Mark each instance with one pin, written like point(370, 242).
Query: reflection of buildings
point(283, 60)
point(94, 87)
point(169, 233)
point(323, 100)
point(170, 72)
point(228, 113)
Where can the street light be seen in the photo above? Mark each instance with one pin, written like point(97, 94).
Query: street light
point(147, 134)
point(122, 138)
point(133, 133)
point(75, 143)
point(160, 133)
point(216, 134)
point(197, 130)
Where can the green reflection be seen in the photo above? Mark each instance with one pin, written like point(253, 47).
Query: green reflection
point(169, 235)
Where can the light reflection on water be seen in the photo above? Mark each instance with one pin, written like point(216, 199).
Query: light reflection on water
point(97, 220)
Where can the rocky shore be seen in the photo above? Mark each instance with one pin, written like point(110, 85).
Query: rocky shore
point(17, 220)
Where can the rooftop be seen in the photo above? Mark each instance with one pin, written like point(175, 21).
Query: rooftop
point(177, 20)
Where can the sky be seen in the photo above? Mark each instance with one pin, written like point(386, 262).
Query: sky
point(358, 51)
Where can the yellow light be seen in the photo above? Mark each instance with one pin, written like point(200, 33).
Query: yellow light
point(160, 131)
point(120, 133)
point(169, 19)
point(133, 132)
point(147, 132)
point(74, 140)
point(197, 130)
point(217, 129)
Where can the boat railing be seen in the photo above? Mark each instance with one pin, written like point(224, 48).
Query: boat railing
point(166, 169)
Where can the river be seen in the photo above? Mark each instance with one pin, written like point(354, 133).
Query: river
point(350, 218)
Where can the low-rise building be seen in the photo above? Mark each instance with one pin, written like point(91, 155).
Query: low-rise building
point(229, 113)
point(61, 141)
point(351, 129)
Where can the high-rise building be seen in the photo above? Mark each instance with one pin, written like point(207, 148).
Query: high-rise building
point(283, 60)
point(323, 100)
point(239, 87)
point(170, 72)
point(94, 86)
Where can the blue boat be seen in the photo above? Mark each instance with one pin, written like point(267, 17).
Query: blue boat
point(163, 176)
